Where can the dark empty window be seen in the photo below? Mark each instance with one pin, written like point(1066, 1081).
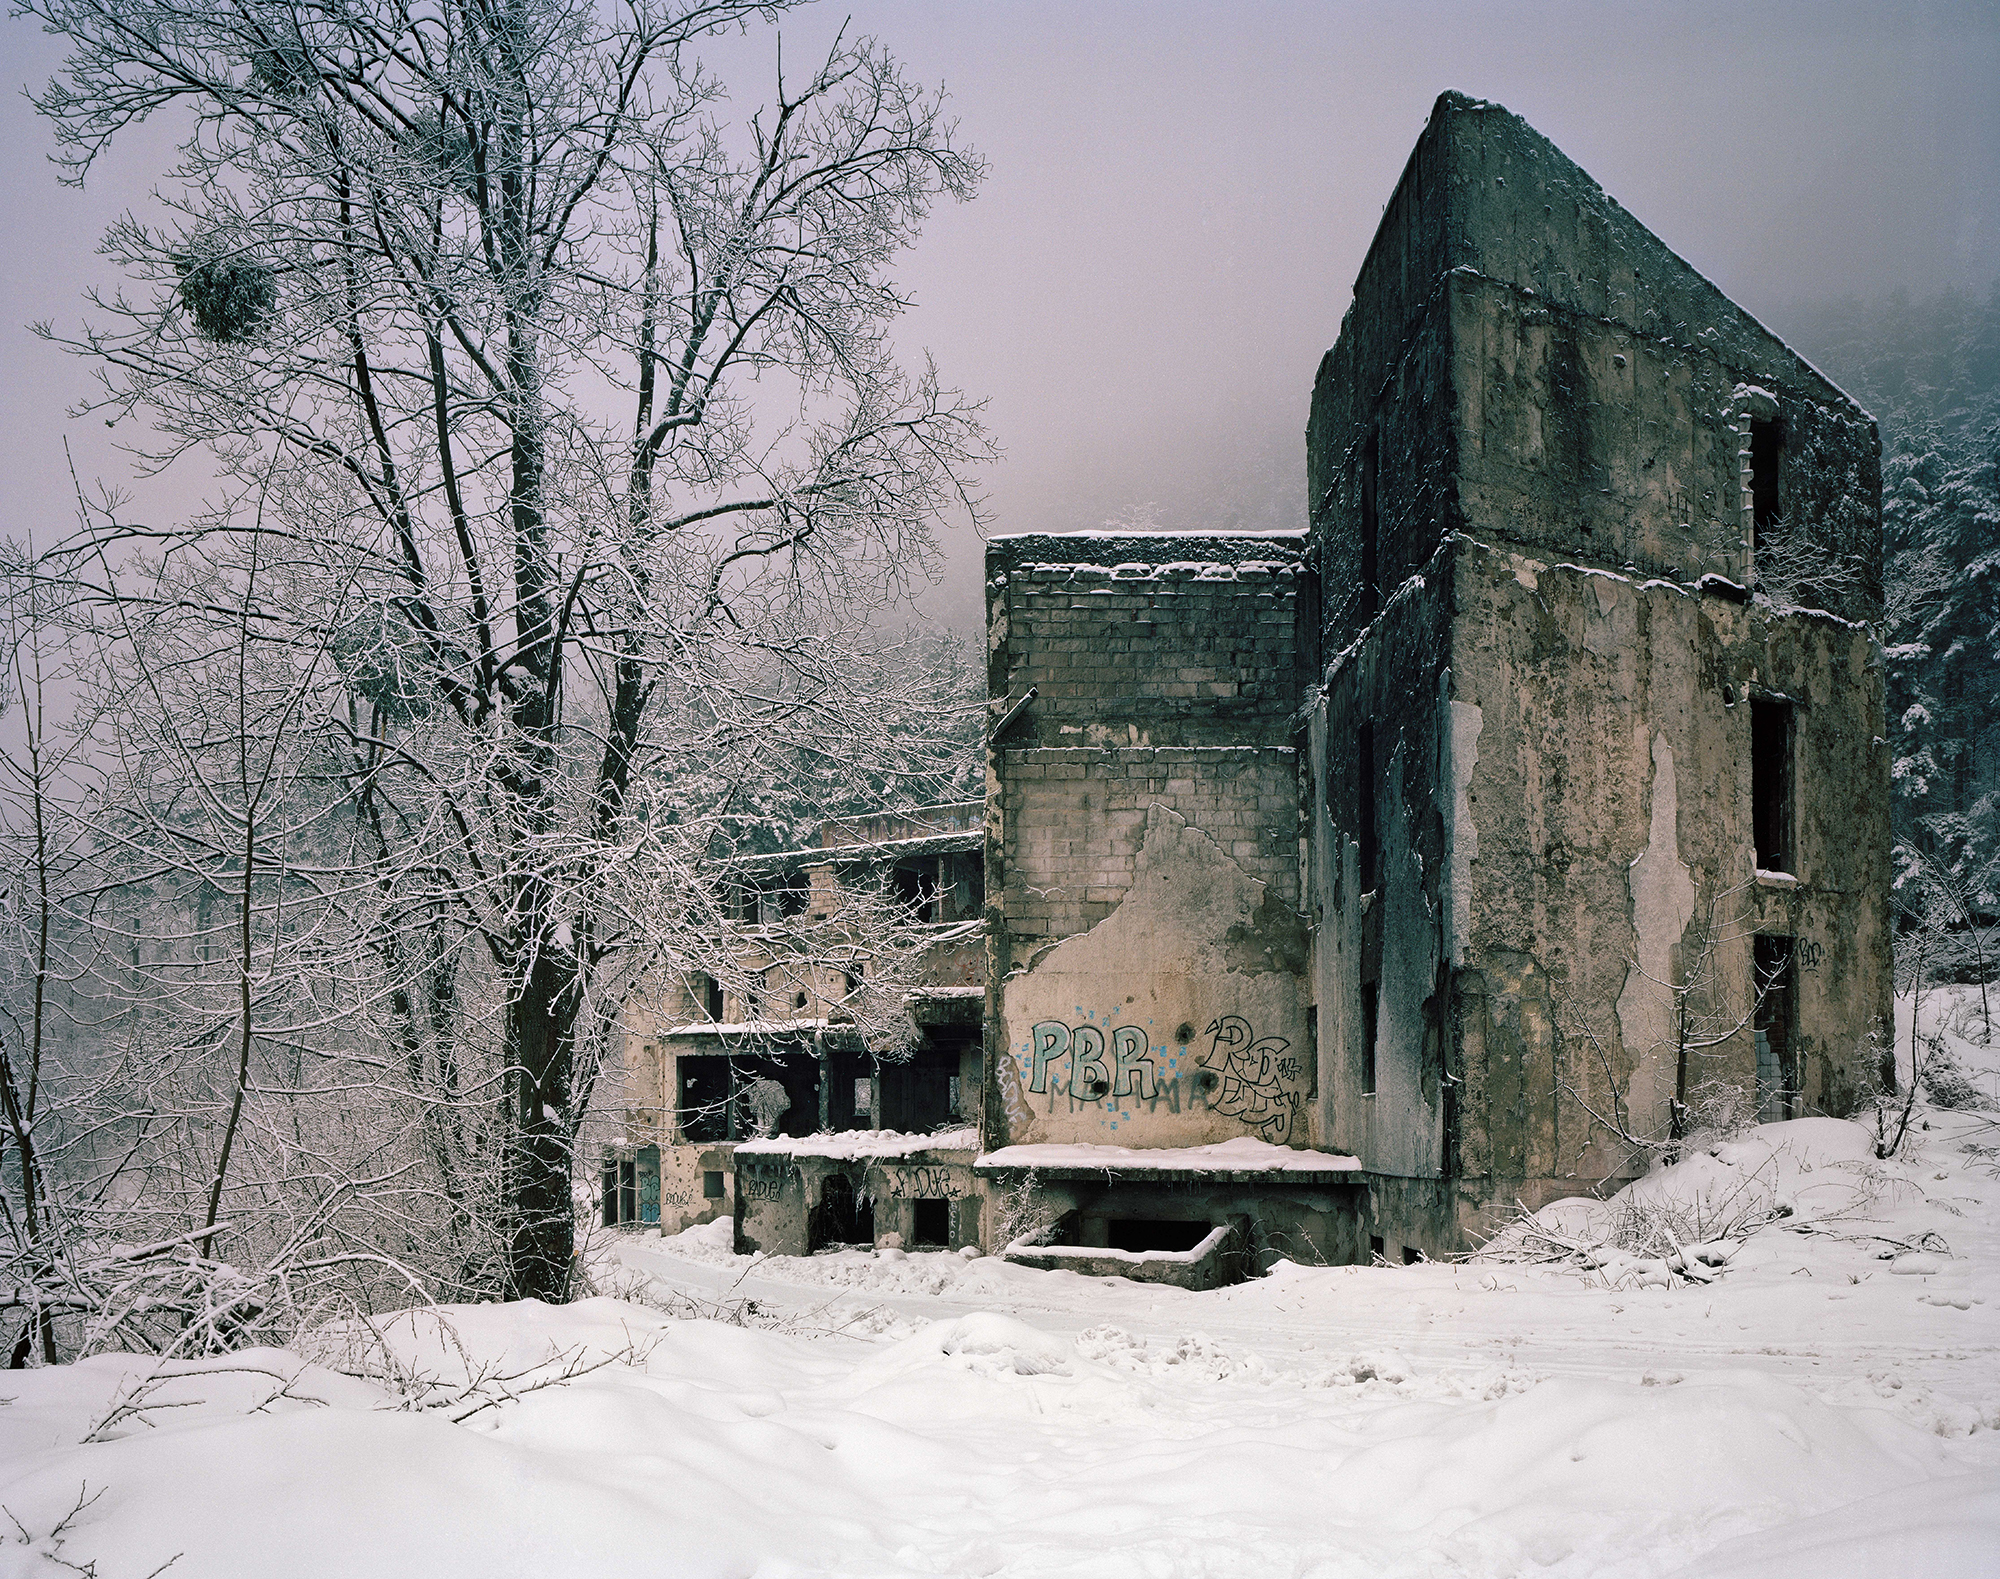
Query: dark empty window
point(1771, 784)
point(1371, 1003)
point(709, 991)
point(842, 1217)
point(1376, 1247)
point(711, 1185)
point(1777, 1067)
point(704, 1098)
point(1306, 617)
point(1141, 1235)
point(1767, 447)
point(1371, 594)
point(1370, 858)
point(963, 890)
point(785, 897)
point(621, 1193)
point(930, 1221)
point(1411, 1255)
point(916, 887)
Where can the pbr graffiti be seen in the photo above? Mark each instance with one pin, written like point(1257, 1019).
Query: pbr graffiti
point(1130, 1073)
point(1254, 1080)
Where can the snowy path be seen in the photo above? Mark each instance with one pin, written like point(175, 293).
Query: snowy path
point(1818, 1410)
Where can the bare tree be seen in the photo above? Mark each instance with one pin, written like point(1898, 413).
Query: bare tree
point(413, 262)
point(1704, 1011)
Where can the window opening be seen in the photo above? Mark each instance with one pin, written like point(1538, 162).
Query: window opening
point(1370, 856)
point(1777, 1063)
point(628, 1192)
point(1411, 1255)
point(1371, 594)
point(703, 1114)
point(711, 1185)
point(1140, 1235)
point(930, 1221)
point(1306, 615)
point(842, 1217)
point(916, 888)
point(1371, 1000)
point(1767, 446)
point(710, 992)
point(608, 1196)
point(1376, 1248)
point(1771, 784)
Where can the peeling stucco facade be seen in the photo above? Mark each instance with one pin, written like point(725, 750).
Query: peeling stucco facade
point(1433, 838)
point(1530, 456)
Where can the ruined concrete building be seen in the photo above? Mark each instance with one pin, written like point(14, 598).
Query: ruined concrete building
point(802, 1026)
point(1533, 803)
point(1344, 888)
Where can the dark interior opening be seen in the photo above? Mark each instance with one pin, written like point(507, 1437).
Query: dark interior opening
point(711, 1185)
point(1411, 1255)
point(1141, 1235)
point(930, 1221)
point(841, 1217)
point(1307, 616)
point(704, 1099)
point(608, 1196)
point(1771, 784)
point(1375, 1247)
point(1369, 859)
point(1767, 445)
point(711, 996)
point(916, 1092)
point(916, 884)
point(785, 897)
point(1371, 1007)
point(1777, 1064)
point(1371, 592)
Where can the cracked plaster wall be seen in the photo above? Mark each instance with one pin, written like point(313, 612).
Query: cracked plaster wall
point(1143, 842)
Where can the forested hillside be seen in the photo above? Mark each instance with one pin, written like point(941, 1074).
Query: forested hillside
point(1930, 371)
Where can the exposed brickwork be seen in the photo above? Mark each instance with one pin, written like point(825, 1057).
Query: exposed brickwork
point(1165, 672)
point(1075, 819)
point(1166, 641)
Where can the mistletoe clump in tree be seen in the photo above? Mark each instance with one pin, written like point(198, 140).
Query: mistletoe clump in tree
point(568, 466)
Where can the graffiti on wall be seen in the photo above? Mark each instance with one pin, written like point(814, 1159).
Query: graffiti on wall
point(1260, 1077)
point(1258, 1081)
point(926, 1181)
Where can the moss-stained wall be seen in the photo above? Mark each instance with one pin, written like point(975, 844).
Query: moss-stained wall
point(1557, 663)
point(1611, 807)
point(1147, 955)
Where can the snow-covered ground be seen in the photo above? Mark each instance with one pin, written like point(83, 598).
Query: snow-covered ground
point(1821, 1397)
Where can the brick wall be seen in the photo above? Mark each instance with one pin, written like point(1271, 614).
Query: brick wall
point(1165, 672)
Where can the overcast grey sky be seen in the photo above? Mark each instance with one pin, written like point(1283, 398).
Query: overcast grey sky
point(1181, 194)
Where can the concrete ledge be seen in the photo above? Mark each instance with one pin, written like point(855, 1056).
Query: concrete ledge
point(1218, 1259)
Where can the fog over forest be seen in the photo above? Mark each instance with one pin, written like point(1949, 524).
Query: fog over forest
point(1179, 197)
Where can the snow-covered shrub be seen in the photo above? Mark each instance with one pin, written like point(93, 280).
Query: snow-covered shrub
point(1018, 1215)
point(1946, 1084)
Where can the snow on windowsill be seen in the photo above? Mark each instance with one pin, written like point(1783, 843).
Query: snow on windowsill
point(742, 1027)
point(1776, 879)
point(854, 1145)
point(1242, 1155)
